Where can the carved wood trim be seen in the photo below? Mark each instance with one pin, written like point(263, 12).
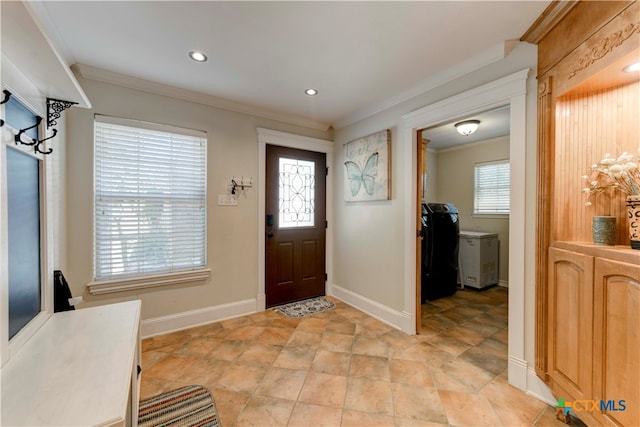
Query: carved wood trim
point(545, 168)
point(554, 13)
point(604, 47)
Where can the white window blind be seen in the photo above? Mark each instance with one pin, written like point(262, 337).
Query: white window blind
point(150, 199)
point(491, 189)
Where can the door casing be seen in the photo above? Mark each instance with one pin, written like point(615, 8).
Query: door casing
point(509, 90)
point(295, 256)
point(272, 137)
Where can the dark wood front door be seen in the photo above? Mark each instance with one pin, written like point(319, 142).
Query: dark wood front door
point(295, 224)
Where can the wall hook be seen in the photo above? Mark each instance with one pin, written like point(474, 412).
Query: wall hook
point(34, 141)
point(41, 141)
point(7, 96)
point(54, 108)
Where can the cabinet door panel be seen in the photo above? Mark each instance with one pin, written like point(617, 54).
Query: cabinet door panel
point(617, 340)
point(570, 323)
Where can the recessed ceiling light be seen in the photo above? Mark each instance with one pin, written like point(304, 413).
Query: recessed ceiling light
point(631, 68)
point(311, 92)
point(197, 56)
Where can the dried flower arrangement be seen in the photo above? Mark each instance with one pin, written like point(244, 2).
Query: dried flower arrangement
point(611, 173)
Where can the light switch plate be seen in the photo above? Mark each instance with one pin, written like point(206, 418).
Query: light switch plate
point(227, 200)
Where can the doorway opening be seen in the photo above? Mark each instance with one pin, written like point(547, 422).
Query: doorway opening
point(462, 279)
point(469, 174)
point(510, 90)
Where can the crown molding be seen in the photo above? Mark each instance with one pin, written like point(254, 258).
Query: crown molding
point(486, 57)
point(31, 51)
point(553, 14)
point(105, 76)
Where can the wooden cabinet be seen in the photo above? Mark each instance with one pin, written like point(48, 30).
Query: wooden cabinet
point(616, 341)
point(594, 332)
point(79, 369)
point(587, 296)
point(570, 323)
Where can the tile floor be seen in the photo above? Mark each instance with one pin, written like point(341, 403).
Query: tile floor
point(342, 367)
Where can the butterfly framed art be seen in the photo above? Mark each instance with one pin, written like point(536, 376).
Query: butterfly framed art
point(367, 173)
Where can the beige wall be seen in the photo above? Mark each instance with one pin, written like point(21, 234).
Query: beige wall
point(368, 257)
point(369, 237)
point(431, 186)
point(231, 231)
point(455, 181)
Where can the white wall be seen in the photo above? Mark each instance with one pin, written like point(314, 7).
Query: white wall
point(232, 231)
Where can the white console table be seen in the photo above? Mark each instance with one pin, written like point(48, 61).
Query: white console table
point(79, 369)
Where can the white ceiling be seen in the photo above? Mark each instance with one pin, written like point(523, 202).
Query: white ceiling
point(360, 56)
point(493, 123)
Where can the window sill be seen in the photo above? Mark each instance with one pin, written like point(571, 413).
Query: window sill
point(134, 283)
point(491, 216)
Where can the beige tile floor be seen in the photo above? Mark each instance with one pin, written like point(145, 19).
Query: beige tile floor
point(342, 367)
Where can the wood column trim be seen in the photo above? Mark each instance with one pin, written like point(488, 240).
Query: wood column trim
point(545, 170)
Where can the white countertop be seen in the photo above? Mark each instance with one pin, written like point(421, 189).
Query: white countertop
point(467, 234)
point(75, 371)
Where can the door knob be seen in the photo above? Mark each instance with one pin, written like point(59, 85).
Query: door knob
point(269, 234)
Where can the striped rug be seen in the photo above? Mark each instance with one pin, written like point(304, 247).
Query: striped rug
point(190, 406)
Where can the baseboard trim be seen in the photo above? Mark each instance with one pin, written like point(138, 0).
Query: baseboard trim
point(538, 389)
point(517, 372)
point(524, 377)
point(189, 319)
point(398, 319)
point(503, 283)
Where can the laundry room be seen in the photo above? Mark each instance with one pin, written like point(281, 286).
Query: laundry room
point(467, 176)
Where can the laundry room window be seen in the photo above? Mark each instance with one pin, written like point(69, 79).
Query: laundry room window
point(492, 188)
point(150, 200)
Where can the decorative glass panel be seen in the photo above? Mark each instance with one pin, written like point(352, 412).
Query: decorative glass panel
point(296, 193)
point(23, 209)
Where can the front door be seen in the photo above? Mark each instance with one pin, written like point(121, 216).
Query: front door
point(295, 224)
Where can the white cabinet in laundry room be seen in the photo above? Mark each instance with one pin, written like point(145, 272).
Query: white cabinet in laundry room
point(478, 259)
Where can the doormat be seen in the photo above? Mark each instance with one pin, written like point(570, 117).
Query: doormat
point(185, 407)
point(305, 307)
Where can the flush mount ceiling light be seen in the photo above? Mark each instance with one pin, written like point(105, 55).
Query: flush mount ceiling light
point(632, 68)
point(467, 127)
point(197, 56)
point(311, 92)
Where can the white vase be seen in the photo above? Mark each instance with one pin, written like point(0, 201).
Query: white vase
point(633, 213)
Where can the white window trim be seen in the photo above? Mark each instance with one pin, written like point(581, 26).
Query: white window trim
point(489, 215)
point(153, 280)
point(134, 283)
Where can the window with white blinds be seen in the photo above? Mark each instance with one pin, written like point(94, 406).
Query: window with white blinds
point(491, 188)
point(150, 199)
